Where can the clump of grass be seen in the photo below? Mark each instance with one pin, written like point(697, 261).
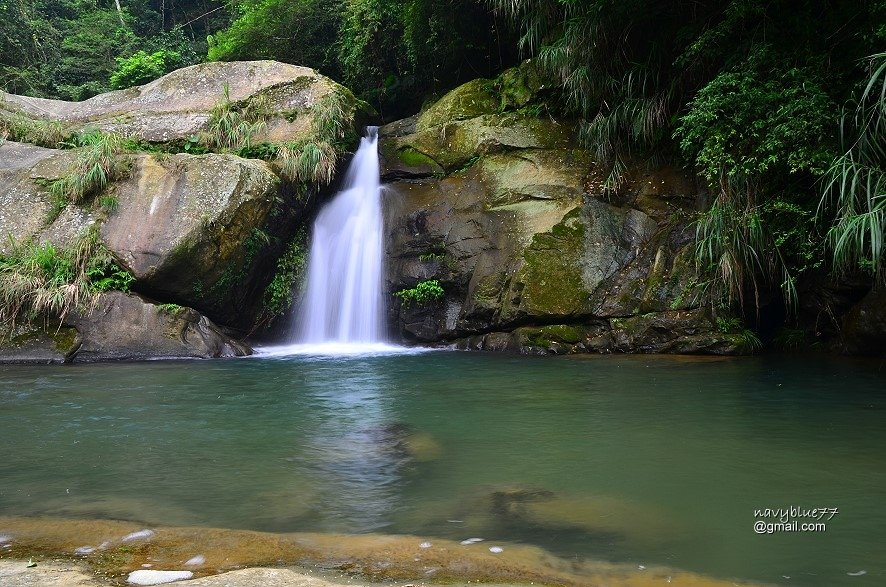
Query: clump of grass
point(331, 116)
point(99, 161)
point(854, 194)
point(19, 128)
point(308, 162)
point(39, 280)
point(233, 126)
point(314, 161)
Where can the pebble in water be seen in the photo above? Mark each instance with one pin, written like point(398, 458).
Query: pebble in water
point(496, 549)
point(145, 577)
point(425, 545)
point(141, 534)
point(5, 538)
point(471, 541)
point(195, 561)
point(857, 573)
point(84, 550)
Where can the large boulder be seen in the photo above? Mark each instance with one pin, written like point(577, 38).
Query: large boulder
point(178, 105)
point(120, 327)
point(192, 229)
point(504, 209)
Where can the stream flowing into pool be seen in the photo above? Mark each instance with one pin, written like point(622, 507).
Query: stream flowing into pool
point(641, 460)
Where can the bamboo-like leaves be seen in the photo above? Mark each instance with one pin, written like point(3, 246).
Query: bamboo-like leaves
point(855, 185)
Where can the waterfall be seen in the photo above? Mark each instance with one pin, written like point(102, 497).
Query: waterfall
point(343, 301)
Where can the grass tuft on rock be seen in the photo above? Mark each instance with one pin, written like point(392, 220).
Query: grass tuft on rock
point(41, 281)
point(100, 161)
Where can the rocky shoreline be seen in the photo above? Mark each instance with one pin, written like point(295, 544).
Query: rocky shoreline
point(95, 553)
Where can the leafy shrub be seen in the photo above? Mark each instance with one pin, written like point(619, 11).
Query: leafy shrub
point(423, 293)
point(757, 118)
point(140, 68)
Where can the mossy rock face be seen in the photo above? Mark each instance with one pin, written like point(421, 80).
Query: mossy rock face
point(466, 101)
point(33, 343)
point(551, 278)
point(520, 86)
point(541, 175)
point(558, 338)
point(530, 238)
point(673, 331)
point(455, 144)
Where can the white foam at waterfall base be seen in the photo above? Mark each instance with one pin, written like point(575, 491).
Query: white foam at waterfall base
point(342, 311)
point(338, 349)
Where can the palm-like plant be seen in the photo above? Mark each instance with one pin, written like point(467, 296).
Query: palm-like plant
point(855, 187)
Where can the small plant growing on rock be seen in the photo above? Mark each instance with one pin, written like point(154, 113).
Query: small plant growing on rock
point(423, 293)
point(170, 309)
point(309, 162)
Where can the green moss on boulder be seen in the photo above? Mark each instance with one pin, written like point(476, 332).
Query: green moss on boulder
point(466, 101)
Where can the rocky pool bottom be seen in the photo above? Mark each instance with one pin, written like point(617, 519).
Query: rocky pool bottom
point(112, 550)
point(380, 466)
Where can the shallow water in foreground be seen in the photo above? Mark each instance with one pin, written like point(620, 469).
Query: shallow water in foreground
point(639, 460)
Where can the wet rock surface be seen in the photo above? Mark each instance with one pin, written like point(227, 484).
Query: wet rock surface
point(121, 327)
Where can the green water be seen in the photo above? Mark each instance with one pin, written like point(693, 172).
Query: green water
point(647, 460)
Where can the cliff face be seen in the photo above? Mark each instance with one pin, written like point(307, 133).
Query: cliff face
point(501, 207)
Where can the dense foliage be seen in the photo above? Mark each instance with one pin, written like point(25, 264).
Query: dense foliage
point(394, 53)
point(74, 49)
point(749, 93)
point(41, 281)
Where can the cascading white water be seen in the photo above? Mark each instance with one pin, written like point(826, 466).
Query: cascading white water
point(343, 301)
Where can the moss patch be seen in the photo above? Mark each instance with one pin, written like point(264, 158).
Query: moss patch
point(546, 336)
point(64, 339)
point(552, 274)
point(414, 158)
point(466, 101)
